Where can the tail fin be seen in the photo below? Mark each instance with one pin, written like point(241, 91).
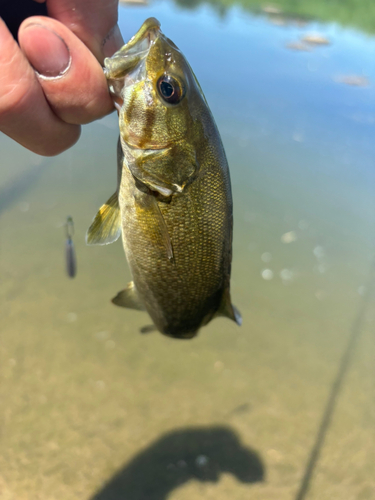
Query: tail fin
point(228, 310)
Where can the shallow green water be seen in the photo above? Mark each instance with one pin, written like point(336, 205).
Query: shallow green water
point(359, 14)
point(90, 408)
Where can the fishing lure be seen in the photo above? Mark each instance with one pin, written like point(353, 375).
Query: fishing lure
point(70, 255)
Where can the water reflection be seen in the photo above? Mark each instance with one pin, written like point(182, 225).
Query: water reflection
point(354, 13)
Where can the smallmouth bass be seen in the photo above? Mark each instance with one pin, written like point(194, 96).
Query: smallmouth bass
point(173, 203)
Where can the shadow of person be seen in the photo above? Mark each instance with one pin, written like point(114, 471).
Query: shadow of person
point(200, 453)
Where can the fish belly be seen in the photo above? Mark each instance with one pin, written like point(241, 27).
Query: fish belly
point(183, 292)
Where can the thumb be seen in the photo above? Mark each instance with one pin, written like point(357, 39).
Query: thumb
point(69, 74)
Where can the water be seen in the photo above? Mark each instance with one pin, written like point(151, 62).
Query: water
point(282, 407)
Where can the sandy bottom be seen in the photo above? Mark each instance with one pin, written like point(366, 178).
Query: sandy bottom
point(92, 409)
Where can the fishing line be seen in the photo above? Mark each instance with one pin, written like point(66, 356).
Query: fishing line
point(355, 333)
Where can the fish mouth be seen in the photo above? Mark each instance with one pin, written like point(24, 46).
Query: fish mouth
point(127, 59)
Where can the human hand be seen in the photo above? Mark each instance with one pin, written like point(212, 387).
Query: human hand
point(53, 82)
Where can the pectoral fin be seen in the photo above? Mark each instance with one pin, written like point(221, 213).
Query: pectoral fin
point(228, 310)
point(163, 230)
point(106, 227)
point(129, 298)
point(149, 204)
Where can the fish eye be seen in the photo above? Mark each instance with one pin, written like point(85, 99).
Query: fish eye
point(170, 89)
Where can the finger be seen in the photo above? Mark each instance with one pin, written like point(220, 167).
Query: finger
point(72, 79)
point(92, 21)
point(25, 115)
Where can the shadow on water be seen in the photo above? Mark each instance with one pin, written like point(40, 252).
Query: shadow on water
point(201, 453)
point(354, 336)
point(17, 187)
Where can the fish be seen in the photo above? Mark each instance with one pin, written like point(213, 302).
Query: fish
point(70, 255)
point(173, 203)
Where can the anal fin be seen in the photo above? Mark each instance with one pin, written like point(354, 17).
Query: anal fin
point(148, 329)
point(129, 298)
